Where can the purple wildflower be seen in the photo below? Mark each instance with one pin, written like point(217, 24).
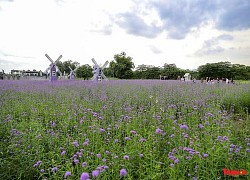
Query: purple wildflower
point(95, 173)
point(186, 136)
point(107, 152)
point(75, 143)
point(126, 157)
point(84, 164)
point(225, 138)
point(63, 153)
point(205, 155)
point(127, 138)
point(133, 132)
point(183, 126)
point(142, 140)
point(98, 155)
point(141, 155)
point(123, 172)
point(54, 169)
point(201, 126)
point(84, 176)
point(67, 174)
point(158, 131)
point(85, 143)
point(176, 161)
point(76, 161)
point(42, 170)
point(101, 130)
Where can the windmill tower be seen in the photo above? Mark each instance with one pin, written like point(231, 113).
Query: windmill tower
point(53, 69)
point(72, 73)
point(98, 71)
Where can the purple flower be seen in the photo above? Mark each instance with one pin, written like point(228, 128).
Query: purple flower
point(158, 131)
point(107, 152)
point(42, 170)
point(84, 164)
point(142, 140)
point(126, 157)
point(95, 173)
point(63, 153)
point(141, 155)
point(123, 172)
point(176, 161)
point(37, 163)
point(54, 169)
point(171, 164)
point(67, 174)
point(75, 143)
point(116, 140)
point(76, 161)
point(225, 138)
point(127, 138)
point(133, 132)
point(205, 155)
point(186, 136)
point(232, 146)
point(84, 176)
point(201, 126)
point(85, 143)
point(237, 150)
point(101, 130)
point(183, 126)
point(98, 155)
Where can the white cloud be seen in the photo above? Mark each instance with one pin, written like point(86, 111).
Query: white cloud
point(81, 30)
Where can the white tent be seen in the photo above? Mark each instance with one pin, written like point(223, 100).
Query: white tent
point(187, 77)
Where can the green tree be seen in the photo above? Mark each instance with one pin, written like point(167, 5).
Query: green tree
point(171, 71)
point(84, 71)
point(122, 66)
point(215, 70)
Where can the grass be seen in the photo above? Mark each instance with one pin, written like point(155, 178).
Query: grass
point(134, 125)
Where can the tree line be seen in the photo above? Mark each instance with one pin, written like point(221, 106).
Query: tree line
point(122, 67)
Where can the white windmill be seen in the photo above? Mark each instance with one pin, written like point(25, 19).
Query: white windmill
point(72, 73)
point(53, 69)
point(98, 71)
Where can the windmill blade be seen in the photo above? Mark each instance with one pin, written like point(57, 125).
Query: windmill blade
point(49, 58)
point(105, 64)
point(94, 77)
point(76, 68)
point(58, 70)
point(70, 68)
point(47, 70)
point(104, 77)
point(59, 58)
point(93, 60)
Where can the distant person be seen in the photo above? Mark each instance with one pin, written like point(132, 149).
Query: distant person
point(227, 81)
point(218, 80)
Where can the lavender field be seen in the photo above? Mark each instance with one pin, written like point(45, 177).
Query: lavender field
point(138, 129)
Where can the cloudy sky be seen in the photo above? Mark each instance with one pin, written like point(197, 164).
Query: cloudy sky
point(188, 33)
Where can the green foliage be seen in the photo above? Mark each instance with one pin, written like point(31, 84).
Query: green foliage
point(224, 70)
point(237, 102)
point(84, 71)
point(122, 66)
point(64, 66)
